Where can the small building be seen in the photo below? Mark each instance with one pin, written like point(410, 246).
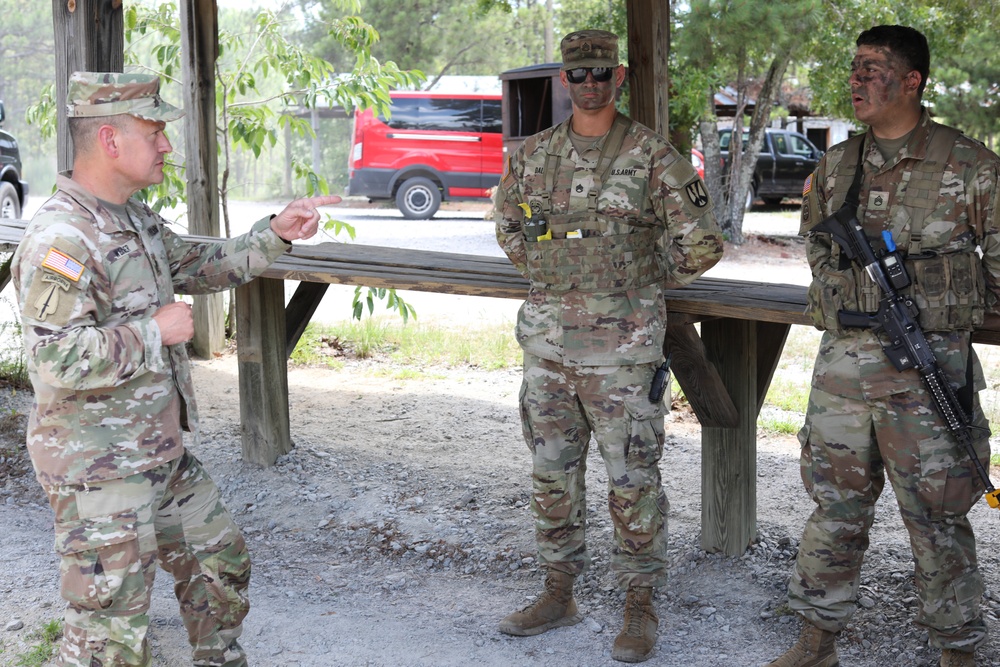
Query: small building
point(533, 99)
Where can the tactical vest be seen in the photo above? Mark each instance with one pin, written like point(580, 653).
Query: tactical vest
point(949, 289)
point(593, 260)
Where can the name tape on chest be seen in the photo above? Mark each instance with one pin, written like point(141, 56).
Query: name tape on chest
point(61, 263)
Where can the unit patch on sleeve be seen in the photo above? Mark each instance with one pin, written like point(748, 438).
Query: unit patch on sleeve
point(697, 193)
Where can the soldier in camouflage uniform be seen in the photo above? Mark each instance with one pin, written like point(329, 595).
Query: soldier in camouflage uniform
point(600, 214)
point(96, 275)
point(936, 192)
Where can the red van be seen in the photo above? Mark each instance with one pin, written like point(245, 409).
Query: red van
point(433, 147)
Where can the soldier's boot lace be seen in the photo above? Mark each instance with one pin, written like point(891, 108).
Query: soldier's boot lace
point(954, 658)
point(637, 639)
point(554, 608)
point(815, 648)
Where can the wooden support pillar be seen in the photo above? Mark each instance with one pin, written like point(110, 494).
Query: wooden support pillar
point(89, 37)
point(199, 51)
point(746, 353)
point(648, 53)
point(729, 455)
point(263, 366)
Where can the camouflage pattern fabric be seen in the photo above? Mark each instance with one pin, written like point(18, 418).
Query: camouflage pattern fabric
point(866, 421)
point(589, 356)
point(650, 185)
point(561, 407)
point(109, 398)
point(92, 94)
point(111, 535)
point(589, 48)
point(110, 404)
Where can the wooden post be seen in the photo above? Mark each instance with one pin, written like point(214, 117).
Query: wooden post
point(260, 348)
point(648, 53)
point(89, 37)
point(200, 49)
point(729, 455)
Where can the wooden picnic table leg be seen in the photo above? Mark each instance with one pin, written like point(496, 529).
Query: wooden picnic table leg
point(263, 366)
point(745, 353)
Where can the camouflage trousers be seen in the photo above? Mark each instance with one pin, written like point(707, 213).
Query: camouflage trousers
point(848, 447)
point(561, 407)
point(111, 535)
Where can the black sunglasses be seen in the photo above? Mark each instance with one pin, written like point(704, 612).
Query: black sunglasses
point(600, 74)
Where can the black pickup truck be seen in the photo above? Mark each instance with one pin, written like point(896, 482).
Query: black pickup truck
point(786, 159)
point(13, 190)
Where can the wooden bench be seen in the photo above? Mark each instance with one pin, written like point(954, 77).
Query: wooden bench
point(725, 371)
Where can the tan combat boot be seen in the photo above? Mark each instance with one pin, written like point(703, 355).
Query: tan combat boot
point(554, 608)
point(953, 658)
point(815, 648)
point(637, 639)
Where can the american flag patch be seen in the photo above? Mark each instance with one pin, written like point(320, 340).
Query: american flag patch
point(807, 186)
point(63, 264)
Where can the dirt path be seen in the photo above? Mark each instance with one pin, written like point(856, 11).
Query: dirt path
point(397, 534)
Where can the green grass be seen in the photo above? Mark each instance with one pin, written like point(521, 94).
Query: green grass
point(779, 425)
point(413, 345)
point(48, 640)
point(13, 362)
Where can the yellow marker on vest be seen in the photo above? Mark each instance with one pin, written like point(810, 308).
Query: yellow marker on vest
point(526, 209)
point(547, 236)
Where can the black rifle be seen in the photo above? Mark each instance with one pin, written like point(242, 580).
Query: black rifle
point(896, 325)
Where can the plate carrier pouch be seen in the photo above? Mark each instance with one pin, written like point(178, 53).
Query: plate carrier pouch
point(593, 262)
point(949, 289)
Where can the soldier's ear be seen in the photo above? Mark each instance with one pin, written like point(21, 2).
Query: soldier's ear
point(108, 140)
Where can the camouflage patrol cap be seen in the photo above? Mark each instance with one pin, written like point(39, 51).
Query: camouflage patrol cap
point(92, 94)
point(589, 48)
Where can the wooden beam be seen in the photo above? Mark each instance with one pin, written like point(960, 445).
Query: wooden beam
point(199, 52)
point(300, 310)
point(699, 379)
point(263, 366)
point(648, 57)
point(89, 37)
point(771, 337)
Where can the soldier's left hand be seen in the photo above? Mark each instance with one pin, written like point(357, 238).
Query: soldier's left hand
point(300, 219)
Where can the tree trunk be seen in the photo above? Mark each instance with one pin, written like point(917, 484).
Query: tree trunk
point(743, 162)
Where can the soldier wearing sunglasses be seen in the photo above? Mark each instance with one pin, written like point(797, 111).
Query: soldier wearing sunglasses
point(601, 214)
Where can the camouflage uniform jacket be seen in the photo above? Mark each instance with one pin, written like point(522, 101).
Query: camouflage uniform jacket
point(649, 186)
point(110, 398)
point(939, 209)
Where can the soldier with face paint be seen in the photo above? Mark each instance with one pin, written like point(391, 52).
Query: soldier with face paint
point(96, 275)
point(600, 214)
point(935, 193)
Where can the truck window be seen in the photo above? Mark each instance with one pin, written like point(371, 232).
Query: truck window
point(780, 145)
point(799, 145)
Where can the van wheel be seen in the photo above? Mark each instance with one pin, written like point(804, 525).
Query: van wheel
point(418, 198)
point(10, 206)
